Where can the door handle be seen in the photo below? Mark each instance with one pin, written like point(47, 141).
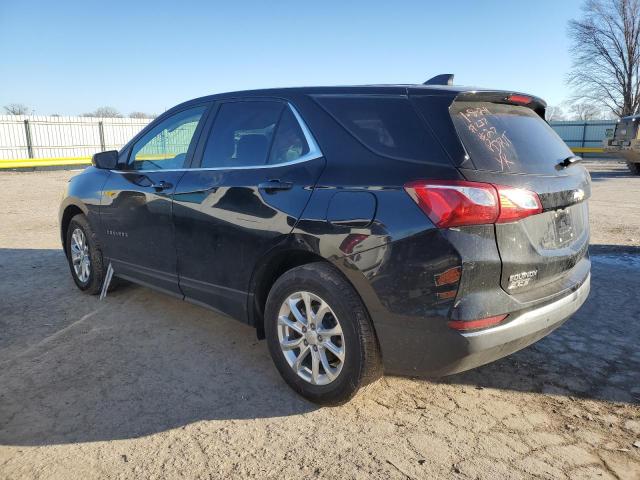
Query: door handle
point(161, 185)
point(273, 185)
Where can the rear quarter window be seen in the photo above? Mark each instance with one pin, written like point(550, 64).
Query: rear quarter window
point(387, 125)
point(507, 138)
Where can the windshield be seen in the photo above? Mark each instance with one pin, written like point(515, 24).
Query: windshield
point(507, 138)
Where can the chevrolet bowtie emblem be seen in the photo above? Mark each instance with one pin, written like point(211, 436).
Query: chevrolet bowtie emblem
point(578, 195)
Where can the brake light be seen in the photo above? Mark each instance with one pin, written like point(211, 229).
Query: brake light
point(522, 99)
point(464, 325)
point(456, 203)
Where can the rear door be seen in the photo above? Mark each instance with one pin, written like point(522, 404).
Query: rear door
point(258, 164)
point(506, 142)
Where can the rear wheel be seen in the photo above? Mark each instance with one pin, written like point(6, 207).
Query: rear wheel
point(634, 167)
point(319, 334)
point(84, 256)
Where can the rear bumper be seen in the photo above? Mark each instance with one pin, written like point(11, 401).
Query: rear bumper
point(441, 352)
point(487, 345)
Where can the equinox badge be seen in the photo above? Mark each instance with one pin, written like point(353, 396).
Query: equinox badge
point(522, 279)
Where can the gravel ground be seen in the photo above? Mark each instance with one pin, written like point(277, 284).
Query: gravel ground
point(144, 386)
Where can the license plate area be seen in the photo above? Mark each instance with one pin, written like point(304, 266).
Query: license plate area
point(563, 226)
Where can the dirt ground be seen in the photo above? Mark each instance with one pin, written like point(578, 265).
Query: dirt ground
point(145, 386)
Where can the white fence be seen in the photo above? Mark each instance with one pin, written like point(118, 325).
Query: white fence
point(36, 136)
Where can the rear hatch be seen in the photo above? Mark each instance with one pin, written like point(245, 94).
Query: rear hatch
point(506, 142)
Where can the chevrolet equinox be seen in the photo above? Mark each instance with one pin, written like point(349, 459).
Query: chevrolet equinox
point(418, 230)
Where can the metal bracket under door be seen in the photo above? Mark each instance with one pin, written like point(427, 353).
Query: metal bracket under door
point(107, 281)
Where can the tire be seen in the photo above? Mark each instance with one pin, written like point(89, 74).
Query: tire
point(361, 361)
point(634, 167)
point(96, 268)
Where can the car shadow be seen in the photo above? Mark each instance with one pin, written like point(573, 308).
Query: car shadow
point(76, 369)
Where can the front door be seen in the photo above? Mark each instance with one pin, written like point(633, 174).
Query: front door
point(257, 171)
point(136, 202)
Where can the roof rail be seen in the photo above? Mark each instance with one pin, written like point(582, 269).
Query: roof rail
point(442, 79)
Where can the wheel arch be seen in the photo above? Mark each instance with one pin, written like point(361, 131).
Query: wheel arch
point(281, 261)
point(266, 274)
point(68, 213)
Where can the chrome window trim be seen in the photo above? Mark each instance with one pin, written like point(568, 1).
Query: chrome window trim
point(313, 154)
point(314, 149)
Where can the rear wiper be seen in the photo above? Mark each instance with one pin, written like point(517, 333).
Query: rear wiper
point(567, 162)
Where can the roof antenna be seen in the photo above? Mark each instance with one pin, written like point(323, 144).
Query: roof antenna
point(443, 79)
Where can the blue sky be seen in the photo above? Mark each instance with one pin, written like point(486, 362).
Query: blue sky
point(69, 57)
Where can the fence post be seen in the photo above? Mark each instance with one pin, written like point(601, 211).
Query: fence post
point(584, 133)
point(101, 131)
point(27, 131)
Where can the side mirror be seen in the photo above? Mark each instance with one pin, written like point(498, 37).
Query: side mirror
point(105, 160)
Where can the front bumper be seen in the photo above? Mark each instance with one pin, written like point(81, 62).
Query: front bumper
point(442, 351)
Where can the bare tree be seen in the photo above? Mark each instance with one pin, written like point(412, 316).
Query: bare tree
point(554, 113)
point(139, 115)
point(16, 109)
point(104, 112)
point(608, 115)
point(606, 54)
point(585, 111)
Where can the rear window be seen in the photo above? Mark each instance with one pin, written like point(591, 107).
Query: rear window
point(388, 125)
point(507, 138)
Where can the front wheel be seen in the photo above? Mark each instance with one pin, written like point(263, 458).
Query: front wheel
point(319, 334)
point(84, 256)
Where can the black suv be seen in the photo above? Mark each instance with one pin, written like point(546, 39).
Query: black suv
point(415, 229)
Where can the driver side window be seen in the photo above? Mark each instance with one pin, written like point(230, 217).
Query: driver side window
point(166, 145)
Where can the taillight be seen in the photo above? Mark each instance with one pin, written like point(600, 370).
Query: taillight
point(517, 203)
point(454, 203)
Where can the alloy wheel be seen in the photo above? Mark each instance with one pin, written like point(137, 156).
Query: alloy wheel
point(80, 255)
point(311, 338)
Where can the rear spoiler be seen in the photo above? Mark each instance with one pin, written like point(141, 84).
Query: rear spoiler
point(512, 98)
point(497, 96)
